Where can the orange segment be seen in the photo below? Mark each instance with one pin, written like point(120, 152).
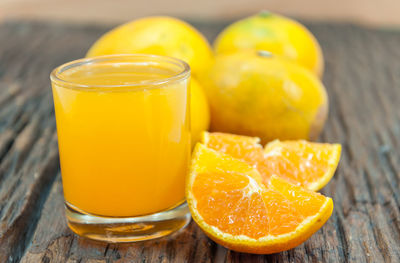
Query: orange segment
point(204, 161)
point(231, 204)
point(282, 217)
point(242, 147)
point(298, 196)
point(244, 214)
point(308, 164)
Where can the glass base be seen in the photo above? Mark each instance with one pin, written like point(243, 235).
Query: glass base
point(127, 229)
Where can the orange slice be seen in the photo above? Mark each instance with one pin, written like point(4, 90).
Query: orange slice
point(308, 164)
point(233, 207)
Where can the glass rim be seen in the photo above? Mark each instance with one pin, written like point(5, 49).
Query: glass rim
point(183, 73)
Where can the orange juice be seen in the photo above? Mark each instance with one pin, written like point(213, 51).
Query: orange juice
point(124, 138)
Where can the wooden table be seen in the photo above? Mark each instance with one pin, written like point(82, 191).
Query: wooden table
point(362, 77)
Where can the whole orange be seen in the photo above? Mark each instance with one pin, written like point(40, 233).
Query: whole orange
point(263, 95)
point(159, 35)
point(274, 33)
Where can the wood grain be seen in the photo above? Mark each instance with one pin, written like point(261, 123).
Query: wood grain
point(363, 81)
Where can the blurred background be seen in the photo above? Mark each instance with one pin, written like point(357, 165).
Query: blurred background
point(382, 13)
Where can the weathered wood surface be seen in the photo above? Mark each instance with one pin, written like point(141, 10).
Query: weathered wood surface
point(363, 80)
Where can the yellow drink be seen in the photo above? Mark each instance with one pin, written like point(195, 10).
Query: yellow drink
point(124, 136)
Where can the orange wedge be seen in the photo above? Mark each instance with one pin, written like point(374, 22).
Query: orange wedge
point(233, 207)
point(308, 164)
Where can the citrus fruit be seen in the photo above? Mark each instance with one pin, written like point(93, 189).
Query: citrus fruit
point(276, 34)
point(231, 205)
point(259, 94)
point(170, 37)
point(200, 113)
point(308, 164)
point(160, 35)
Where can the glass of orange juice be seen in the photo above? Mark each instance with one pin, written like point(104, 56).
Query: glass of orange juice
point(124, 143)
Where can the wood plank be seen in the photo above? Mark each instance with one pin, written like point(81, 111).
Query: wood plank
point(28, 143)
point(363, 81)
point(54, 242)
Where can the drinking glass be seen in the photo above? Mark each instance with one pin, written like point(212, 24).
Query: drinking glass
point(123, 125)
